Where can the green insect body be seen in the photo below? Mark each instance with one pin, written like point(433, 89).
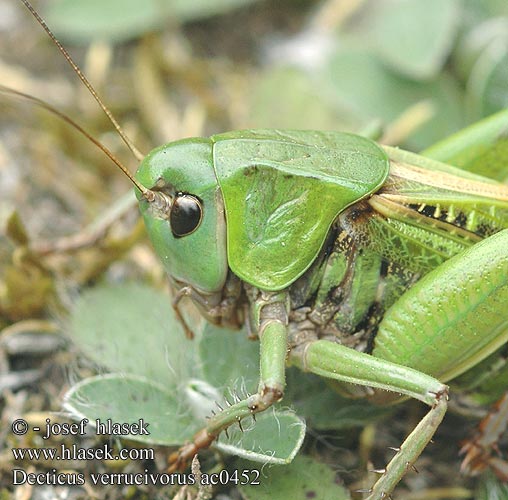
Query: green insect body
point(359, 260)
point(275, 177)
point(380, 269)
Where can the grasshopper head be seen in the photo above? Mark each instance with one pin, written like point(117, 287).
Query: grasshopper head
point(186, 225)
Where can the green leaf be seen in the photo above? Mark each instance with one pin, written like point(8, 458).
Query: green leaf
point(373, 91)
point(486, 87)
point(229, 359)
point(120, 20)
point(481, 58)
point(131, 329)
point(304, 478)
point(288, 98)
point(274, 438)
point(411, 36)
point(127, 398)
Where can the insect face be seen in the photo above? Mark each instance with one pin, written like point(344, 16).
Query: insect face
point(190, 237)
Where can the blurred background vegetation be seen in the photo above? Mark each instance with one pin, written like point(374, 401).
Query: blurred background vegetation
point(408, 72)
point(428, 67)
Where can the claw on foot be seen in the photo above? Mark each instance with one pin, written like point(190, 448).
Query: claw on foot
point(178, 461)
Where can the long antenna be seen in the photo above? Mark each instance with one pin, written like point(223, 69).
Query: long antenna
point(147, 193)
point(135, 151)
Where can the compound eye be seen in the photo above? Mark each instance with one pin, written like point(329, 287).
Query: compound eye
point(186, 214)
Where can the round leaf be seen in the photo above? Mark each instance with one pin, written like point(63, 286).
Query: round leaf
point(275, 438)
point(229, 359)
point(126, 399)
point(304, 478)
point(411, 36)
point(132, 329)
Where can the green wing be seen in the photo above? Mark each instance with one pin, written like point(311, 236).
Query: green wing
point(282, 191)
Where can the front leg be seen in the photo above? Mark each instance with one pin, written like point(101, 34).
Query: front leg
point(270, 319)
